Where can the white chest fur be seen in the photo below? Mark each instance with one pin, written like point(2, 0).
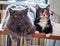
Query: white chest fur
point(43, 22)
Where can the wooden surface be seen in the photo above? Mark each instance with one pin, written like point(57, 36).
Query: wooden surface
point(44, 36)
point(1, 40)
point(3, 33)
point(35, 35)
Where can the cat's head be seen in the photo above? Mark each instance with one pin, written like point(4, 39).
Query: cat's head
point(43, 11)
point(18, 14)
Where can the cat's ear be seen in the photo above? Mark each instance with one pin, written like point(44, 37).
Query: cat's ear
point(37, 7)
point(25, 11)
point(10, 10)
point(48, 7)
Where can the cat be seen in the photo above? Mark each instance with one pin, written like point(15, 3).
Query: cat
point(42, 20)
point(18, 23)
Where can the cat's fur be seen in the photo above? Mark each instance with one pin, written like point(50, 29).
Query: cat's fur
point(18, 23)
point(38, 19)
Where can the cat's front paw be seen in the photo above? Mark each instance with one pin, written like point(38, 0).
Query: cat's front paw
point(36, 32)
point(48, 35)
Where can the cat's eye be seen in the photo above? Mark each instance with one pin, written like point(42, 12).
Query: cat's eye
point(15, 16)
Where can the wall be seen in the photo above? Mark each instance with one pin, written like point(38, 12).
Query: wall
point(54, 6)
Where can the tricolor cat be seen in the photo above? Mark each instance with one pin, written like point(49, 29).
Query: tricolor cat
point(42, 21)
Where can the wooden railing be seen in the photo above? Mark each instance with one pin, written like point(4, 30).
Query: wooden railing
point(37, 37)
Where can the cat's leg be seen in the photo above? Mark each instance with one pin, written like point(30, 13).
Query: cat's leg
point(28, 39)
point(36, 32)
point(15, 41)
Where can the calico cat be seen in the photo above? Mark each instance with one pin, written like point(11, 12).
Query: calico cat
point(42, 21)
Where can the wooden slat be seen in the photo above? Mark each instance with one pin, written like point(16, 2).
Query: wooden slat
point(1, 40)
point(44, 36)
point(35, 35)
point(39, 36)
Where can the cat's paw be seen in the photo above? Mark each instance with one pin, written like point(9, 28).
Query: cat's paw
point(36, 32)
point(48, 35)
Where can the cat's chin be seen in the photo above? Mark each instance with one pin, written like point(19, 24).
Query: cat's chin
point(36, 32)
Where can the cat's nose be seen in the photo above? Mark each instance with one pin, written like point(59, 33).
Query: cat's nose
point(43, 14)
point(15, 16)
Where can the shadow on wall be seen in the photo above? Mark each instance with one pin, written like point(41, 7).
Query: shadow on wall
point(55, 18)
